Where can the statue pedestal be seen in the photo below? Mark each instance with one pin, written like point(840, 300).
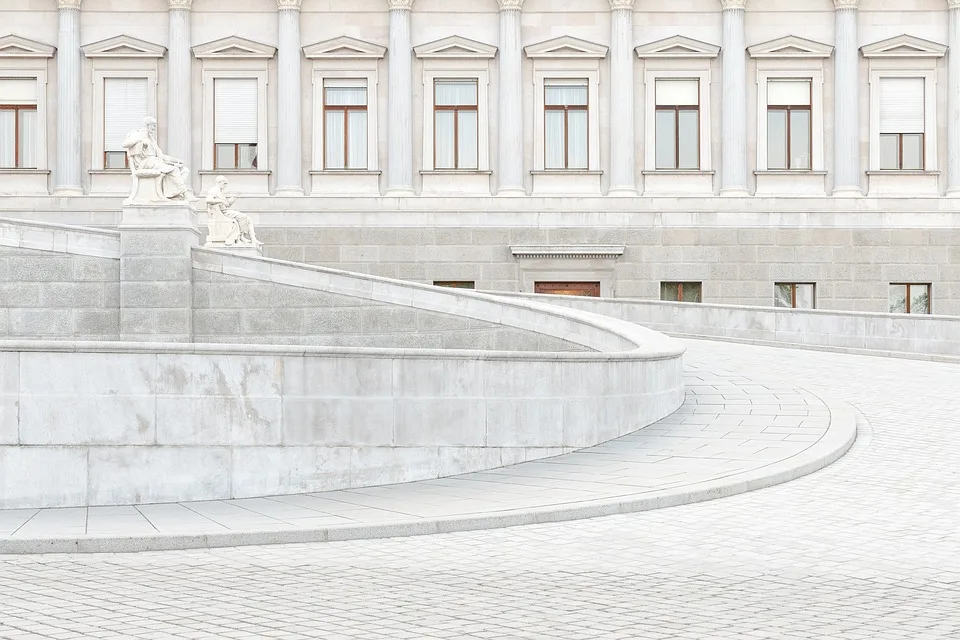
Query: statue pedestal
point(240, 249)
point(156, 271)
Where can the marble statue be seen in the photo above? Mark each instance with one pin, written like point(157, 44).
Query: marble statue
point(156, 177)
point(228, 227)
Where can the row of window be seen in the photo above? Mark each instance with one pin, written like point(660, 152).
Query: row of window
point(913, 298)
point(456, 121)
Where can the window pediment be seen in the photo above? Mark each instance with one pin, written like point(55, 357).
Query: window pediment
point(455, 47)
point(123, 46)
point(234, 47)
point(344, 47)
point(678, 47)
point(566, 47)
point(904, 46)
point(790, 47)
point(12, 46)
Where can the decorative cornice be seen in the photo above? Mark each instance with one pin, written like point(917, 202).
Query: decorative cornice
point(846, 4)
point(733, 4)
point(567, 251)
point(400, 5)
point(289, 4)
point(621, 4)
point(508, 5)
point(68, 4)
point(181, 4)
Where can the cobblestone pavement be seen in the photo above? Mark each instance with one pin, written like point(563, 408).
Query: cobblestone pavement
point(868, 548)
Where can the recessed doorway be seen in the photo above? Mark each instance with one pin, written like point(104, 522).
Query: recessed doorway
point(586, 289)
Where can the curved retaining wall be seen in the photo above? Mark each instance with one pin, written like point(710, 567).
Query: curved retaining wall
point(112, 422)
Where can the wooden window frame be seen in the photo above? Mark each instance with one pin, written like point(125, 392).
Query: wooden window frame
point(906, 307)
point(456, 109)
point(236, 145)
point(17, 108)
point(346, 109)
point(793, 291)
point(676, 109)
point(789, 108)
point(566, 124)
point(455, 284)
point(923, 150)
point(680, 286)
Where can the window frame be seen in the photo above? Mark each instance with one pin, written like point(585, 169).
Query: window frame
point(676, 109)
point(40, 77)
point(793, 294)
point(107, 67)
point(566, 124)
point(547, 70)
point(345, 69)
point(680, 284)
point(345, 109)
point(468, 68)
point(767, 71)
point(789, 109)
point(17, 109)
point(456, 109)
point(906, 306)
point(209, 76)
point(704, 148)
point(929, 139)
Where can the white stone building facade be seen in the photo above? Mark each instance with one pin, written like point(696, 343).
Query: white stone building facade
point(743, 151)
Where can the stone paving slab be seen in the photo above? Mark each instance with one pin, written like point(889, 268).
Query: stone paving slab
point(731, 435)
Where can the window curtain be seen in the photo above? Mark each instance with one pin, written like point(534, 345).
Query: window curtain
point(443, 139)
point(357, 140)
point(8, 142)
point(351, 124)
point(577, 139)
point(235, 110)
point(553, 140)
point(333, 138)
point(455, 93)
point(28, 138)
point(467, 140)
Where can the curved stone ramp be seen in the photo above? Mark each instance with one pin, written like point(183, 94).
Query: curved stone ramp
point(731, 435)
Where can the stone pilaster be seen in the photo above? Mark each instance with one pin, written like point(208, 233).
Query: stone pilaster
point(69, 76)
point(510, 167)
point(846, 110)
point(156, 272)
point(622, 143)
point(733, 178)
point(953, 90)
point(180, 85)
point(289, 123)
point(400, 101)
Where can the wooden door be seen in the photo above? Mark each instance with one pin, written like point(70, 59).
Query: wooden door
point(587, 289)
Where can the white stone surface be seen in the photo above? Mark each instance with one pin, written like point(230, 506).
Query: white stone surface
point(733, 144)
point(400, 102)
point(289, 138)
point(69, 83)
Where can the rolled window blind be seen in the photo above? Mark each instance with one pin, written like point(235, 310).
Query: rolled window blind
point(124, 108)
point(788, 93)
point(901, 105)
point(235, 110)
point(678, 93)
point(21, 91)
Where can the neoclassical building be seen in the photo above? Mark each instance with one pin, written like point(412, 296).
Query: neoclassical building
point(733, 151)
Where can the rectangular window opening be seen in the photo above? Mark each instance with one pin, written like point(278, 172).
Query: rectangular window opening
point(454, 284)
point(789, 140)
point(18, 123)
point(124, 109)
point(235, 123)
point(681, 291)
point(677, 124)
point(912, 298)
point(345, 124)
point(902, 124)
point(566, 133)
point(795, 295)
point(583, 289)
point(455, 124)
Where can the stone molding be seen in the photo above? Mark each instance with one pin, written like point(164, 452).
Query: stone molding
point(12, 46)
point(68, 4)
point(181, 4)
point(733, 4)
point(400, 5)
point(621, 4)
point(846, 4)
point(568, 251)
point(953, 4)
point(289, 4)
point(510, 5)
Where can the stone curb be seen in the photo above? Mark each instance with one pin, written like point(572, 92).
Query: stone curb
point(838, 439)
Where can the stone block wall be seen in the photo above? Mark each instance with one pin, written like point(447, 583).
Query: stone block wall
point(852, 267)
point(57, 296)
point(230, 309)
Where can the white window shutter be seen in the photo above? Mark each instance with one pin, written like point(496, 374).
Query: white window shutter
point(678, 93)
point(20, 91)
point(901, 105)
point(235, 110)
point(124, 108)
point(788, 93)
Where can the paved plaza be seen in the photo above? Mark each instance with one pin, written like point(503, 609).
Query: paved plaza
point(867, 548)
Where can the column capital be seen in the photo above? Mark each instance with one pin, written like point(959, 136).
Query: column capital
point(180, 4)
point(507, 5)
point(953, 4)
point(289, 4)
point(846, 4)
point(621, 4)
point(68, 4)
point(401, 5)
point(733, 4)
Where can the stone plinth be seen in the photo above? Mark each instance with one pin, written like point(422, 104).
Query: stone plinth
point(156, 272)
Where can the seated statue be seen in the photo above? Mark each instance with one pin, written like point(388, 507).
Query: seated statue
point(226, 225)
point(147, 162)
